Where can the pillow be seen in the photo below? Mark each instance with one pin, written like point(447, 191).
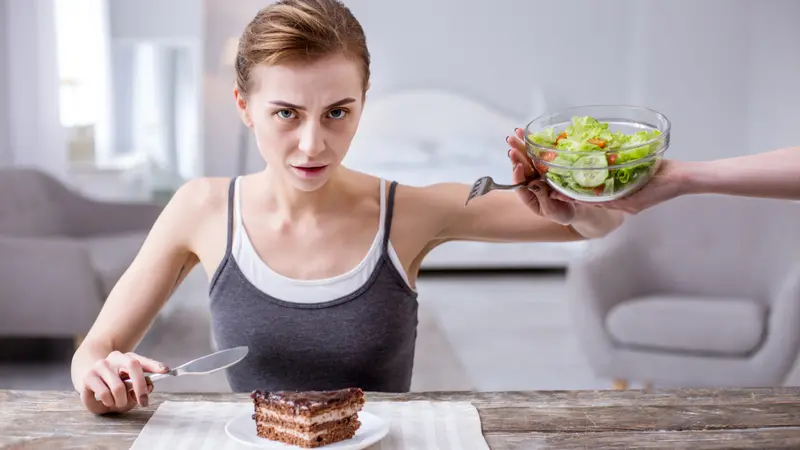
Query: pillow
point(465, 149)
point(471, 149)
point(387, 153)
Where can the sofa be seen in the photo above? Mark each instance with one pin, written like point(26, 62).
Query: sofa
point(701, 291)
point(61, 253)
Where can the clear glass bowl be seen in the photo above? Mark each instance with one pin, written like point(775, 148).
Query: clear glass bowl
point(597, 173)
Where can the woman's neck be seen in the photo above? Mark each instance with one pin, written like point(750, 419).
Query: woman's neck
point(292, 203)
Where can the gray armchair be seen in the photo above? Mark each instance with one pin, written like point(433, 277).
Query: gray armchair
point(699, 291)
point(60, 253)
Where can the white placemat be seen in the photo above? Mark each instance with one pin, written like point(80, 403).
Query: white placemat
point(414, 425)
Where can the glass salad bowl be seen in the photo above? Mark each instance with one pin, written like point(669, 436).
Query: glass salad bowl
point(598, 153)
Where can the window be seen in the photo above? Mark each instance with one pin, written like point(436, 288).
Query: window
point(82, 42)
point(126, 102)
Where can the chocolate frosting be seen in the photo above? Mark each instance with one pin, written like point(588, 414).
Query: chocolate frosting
point(308, 399)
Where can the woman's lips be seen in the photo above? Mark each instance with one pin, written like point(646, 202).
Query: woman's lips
point(309, 171)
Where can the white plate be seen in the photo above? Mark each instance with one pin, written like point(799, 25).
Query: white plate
point(242, 428)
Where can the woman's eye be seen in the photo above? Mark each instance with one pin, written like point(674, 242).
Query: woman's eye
point(285, 114)
point(337, 114)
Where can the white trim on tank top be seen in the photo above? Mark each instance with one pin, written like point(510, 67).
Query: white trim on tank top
point(260, 275)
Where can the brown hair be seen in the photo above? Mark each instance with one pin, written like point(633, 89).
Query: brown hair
point(300, 30)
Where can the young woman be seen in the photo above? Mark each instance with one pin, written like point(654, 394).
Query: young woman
point(311, 265)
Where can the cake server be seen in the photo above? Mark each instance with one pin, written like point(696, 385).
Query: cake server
point(203, 365)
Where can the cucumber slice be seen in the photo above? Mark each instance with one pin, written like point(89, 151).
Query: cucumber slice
point(594, 170)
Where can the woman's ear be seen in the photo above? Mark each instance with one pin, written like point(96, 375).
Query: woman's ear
point(241, 106)
point(364, 95)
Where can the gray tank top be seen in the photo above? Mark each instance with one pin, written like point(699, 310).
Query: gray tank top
point(365, 339)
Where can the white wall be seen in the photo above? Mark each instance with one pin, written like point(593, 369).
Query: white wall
point(774, 68)
point(724, 71)
point(34, 127)
point(223, 20)
point(155, 19)
point(6, 158)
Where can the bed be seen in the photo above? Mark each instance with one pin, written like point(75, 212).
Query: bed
point(423, 136)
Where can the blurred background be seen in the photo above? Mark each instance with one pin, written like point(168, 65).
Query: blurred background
point(107, 106)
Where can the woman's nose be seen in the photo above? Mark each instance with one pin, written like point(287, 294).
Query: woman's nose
point(311, 140)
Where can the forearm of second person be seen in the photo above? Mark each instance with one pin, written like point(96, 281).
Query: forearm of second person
point(772, 174)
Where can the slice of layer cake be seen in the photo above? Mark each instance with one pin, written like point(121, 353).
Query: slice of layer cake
point(308, 419)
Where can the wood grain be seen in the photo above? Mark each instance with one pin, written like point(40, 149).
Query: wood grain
point(755, 439)
point(674, 419)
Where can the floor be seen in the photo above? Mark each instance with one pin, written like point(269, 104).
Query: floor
point(478, 331)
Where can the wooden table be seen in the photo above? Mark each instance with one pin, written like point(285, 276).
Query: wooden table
point(669, 419)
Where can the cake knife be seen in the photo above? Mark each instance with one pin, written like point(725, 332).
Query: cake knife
point(203, 365)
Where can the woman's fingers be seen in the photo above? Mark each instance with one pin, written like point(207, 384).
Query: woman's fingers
point(516, 158)
point(517, 144)
point(150, 365)
point(527, 197)
point(134, 366)
point(104, 387)
point(112, 379)
point(541, 192)
point(96, 396)
point(552, 207)
point(555, 195)
point(130, 368)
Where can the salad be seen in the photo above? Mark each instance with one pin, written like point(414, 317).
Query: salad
point(588, 152)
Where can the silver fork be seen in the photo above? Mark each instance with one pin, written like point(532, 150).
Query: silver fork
point(484, 185)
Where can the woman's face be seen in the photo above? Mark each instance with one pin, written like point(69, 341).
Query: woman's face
point(304, 116)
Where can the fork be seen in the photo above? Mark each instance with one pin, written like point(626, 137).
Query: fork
point(484, 185)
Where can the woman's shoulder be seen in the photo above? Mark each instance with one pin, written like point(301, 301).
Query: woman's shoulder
point(196, 209)
point(434, 204)
point(366, 182)
point(197, 201)
point(203, 195)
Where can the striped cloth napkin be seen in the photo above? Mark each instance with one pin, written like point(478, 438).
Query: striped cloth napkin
point(420, 425)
